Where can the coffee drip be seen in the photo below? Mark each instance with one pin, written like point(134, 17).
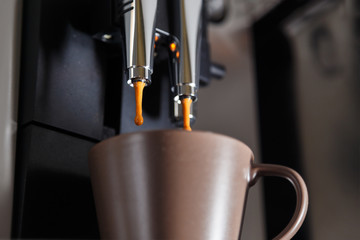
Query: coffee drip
point(139, 88)
point(186, 103)
point(139, 21)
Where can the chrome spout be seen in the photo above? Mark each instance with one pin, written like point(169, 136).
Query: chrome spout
point(139, 21)
point(190, 22)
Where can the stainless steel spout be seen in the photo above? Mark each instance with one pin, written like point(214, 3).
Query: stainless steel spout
point(139, 21)
point(190, 21)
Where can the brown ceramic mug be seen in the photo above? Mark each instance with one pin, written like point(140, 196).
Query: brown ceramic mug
point(176, 185)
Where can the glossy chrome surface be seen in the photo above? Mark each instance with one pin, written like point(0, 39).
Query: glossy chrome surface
point(188, 82)
point(139, 20)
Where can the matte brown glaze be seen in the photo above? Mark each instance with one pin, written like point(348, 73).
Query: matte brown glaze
point(175, 185)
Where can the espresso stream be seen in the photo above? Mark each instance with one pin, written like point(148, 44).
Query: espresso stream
point(139, 120)
point(186, 104)
point(139, 87)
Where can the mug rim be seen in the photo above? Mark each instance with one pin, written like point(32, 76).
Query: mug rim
point(177, 131)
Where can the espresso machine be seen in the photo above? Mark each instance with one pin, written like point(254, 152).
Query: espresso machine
point(68, 76)
point(79, 63)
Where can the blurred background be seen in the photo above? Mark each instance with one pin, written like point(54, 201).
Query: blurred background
point(292, 93)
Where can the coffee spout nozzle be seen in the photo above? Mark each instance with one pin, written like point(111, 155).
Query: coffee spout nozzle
point(187, 83)
point(139, 26)
point(190, 22)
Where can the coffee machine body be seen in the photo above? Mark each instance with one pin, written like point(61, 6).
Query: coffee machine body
point(73, 93)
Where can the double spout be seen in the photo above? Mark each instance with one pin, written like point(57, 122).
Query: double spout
point(139, 26)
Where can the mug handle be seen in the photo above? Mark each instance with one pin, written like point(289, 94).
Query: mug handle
point(262, 170)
